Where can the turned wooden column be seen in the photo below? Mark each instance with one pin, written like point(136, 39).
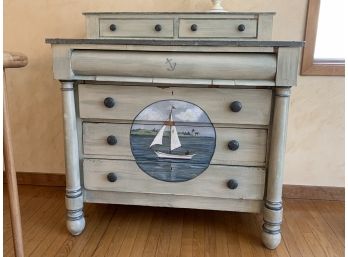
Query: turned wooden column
point(12, 60)
point(73, 196)
point(273, 208)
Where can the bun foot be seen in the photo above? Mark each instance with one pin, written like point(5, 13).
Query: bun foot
point(76, 227)
point(271, 241)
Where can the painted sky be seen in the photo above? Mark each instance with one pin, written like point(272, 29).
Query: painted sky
point(184, 112)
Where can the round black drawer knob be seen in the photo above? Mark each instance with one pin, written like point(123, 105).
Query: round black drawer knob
point(236, 106)
point(232, 184)
point(233, 145)
point(158, 27)
point(112, 27)
point(241, 27)
point(109, 102)
point(111, 177)
point(111, 140)
point(194, 27)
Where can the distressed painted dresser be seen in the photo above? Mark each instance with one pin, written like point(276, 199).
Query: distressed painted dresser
point(183, 110)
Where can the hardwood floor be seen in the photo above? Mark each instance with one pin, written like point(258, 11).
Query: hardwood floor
point(311, 228)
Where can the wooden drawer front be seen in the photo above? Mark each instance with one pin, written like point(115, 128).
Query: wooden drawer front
point(129, 101)
point(135, 28)
point(219, 66)
point(251, 151)
point(211, 183)
point(217, 28)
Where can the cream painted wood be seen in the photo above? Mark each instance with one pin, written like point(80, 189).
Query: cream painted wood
point(287, 66)
point(174, 65)
point(262, 23)
point(136, 28)
point(220, 83)
point(94, 140)
point(92, 26)
point(241, 126)
point(256, 103)
point(211, 183)
point(173, 201)
point(73, 197)
point(62, 57)
point(61, 63)
point(217, 28)
point(251, 151)
point(273, 209)
point(264, 29)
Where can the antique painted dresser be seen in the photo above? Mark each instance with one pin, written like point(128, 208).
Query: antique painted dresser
point(183, 110)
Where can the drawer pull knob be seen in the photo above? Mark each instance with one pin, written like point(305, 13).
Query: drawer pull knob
point(158, 27)
point(194, 27)
point(111, 177)
point(241, 27)
point(232, 184)
point(236, 106)
point(112, 27)
point(233, 145)
point(109, 102)
point(111, 140)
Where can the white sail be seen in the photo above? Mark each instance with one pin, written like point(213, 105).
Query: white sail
point(159, 137)
point(174, 139)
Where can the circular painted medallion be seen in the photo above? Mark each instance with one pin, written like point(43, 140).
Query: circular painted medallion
point(172, 140)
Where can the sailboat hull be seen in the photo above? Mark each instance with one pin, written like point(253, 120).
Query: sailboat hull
point(174, 156)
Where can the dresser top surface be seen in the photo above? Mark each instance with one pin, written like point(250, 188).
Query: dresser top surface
point(180, 13)
point(238, 43)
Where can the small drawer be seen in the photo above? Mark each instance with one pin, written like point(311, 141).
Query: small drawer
point(223, 106)
point(126, 176)
point(218, 28)
point(136, 28)
point(113, 141)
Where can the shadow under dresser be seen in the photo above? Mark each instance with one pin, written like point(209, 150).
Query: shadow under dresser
point(183, 110)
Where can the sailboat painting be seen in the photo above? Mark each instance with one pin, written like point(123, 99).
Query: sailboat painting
point(172, 140)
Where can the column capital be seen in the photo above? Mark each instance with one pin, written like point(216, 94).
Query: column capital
point(282, 91)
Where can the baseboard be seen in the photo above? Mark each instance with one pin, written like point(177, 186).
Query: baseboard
point(289, 191)
point(313, 192)
point(40, 179)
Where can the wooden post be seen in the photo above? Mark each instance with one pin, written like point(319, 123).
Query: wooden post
point(273, 209)
point(12, 60)
point(12, 183)
point(73, 197)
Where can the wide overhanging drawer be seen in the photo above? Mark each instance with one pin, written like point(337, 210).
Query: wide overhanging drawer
point(180, 65)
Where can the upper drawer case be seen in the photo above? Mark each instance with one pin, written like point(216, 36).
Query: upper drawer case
point(217, 28)
point(136, 28)
point(172, 25)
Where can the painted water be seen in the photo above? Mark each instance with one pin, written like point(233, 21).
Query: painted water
point(172, 140)
point(171, 169)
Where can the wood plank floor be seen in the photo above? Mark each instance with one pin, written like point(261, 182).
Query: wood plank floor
point(311, 228)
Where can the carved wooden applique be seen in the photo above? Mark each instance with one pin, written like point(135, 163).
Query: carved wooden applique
point(172, 140)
